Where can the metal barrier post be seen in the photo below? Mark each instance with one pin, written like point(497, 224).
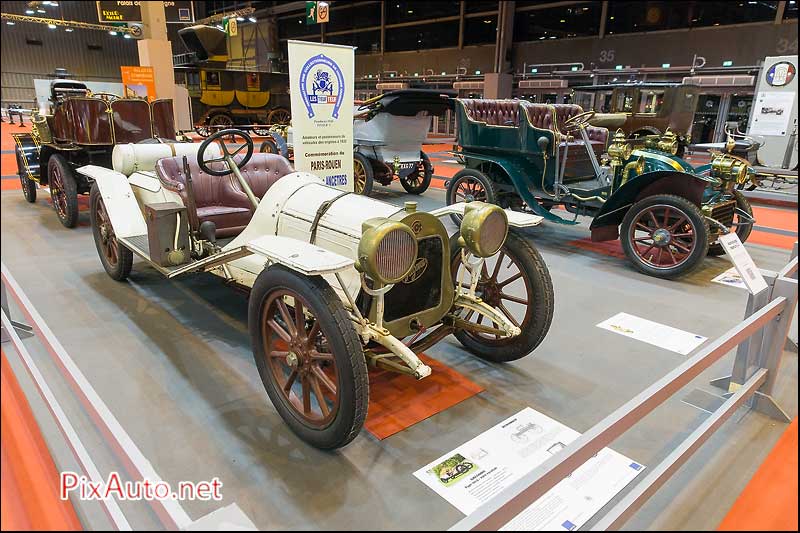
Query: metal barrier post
point(23, 330)
point(771, 352)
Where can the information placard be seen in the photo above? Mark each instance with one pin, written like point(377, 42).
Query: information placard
point(131, 11)
point(482, 468)
point(744, 264)
point(321, 88)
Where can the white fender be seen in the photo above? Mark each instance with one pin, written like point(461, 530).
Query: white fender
point(300, 256)
point(515, 218)
point(119, 200)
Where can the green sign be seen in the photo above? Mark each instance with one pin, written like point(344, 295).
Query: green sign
point(311, 13)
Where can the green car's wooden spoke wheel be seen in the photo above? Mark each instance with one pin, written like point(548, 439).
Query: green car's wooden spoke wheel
point(517, 282)
point(299, 358)
point(665, 235)
point(469, 185)
point(309, 356)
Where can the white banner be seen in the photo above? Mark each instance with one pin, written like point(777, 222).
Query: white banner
point(321, 87)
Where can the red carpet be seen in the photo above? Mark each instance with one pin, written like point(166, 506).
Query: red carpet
point(397, 402)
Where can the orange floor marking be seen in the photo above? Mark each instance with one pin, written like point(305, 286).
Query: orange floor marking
point(8, 164)
point(775, 218)
point(30, 480)
point(771, 239)
point(398, 402)
point(11, 185)
point(609, 248)
point(769, 501)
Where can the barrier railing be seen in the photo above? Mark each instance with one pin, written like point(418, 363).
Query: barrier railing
point(760, 339)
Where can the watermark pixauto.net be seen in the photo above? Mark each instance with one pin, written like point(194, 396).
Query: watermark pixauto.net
point(114, 487)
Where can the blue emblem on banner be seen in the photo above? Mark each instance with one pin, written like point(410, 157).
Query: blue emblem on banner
point(326, 85)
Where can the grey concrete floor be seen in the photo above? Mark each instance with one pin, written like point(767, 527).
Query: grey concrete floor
point(172, 361)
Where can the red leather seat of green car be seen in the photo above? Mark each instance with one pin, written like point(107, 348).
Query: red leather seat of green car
point(219, 199)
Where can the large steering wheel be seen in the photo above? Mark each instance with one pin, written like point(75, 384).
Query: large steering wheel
point(219, 138)
point(578, 121)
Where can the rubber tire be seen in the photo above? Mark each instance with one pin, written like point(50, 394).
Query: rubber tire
point(345, 345)
point(370, 175)
point(122, 270)
point(743, 232)
point(426, 177)
point(70, 219)
point(28, 185)
point(698, 219)
point(543, 297)
point(268, 147)
point(488, 185)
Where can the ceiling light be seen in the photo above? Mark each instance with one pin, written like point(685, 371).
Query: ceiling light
point(410, 11)
point(562, 20)
point(10, 23)
point(69, 30)
point(240, 19)
point(618, 67)
point(112, 32)
point(29, 11)
point(534, 70)
point(51, 26)
point(416, 74)
point(552, 36)
point(477, 72)
point(727, 63)
point(252, 19)
point(665, 65)
point(127, 35)
point(41, 11)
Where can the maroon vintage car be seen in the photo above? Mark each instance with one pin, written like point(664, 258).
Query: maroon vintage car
point(83, 129)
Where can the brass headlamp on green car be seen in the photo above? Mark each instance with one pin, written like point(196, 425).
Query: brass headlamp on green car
point(387, 250)
point(730, 168)
point(483, 229)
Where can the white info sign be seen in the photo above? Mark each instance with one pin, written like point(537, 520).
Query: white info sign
point(321, 89)
point(480, 469)
point(751, 275)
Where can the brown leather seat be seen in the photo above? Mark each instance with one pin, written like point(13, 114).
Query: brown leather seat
point(219, 199)
point(493, 112)
point(541, 116)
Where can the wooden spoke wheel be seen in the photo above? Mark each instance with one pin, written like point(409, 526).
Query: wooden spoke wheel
point(309, 357)
point(362, 175)
point(279, 116)
point(299, 358)
point(420, 179)
point(63, 190)
point(28, 185)
point(515, 281)
point(469, 185)
point(117, 259)
point(665, 235)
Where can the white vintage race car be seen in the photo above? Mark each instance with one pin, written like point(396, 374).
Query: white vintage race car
point(337, 281)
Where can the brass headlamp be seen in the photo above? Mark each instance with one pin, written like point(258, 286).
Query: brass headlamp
point(668, 142)
point(483, 229)
point(387, 250)
point(619, 151)
point(729, 167)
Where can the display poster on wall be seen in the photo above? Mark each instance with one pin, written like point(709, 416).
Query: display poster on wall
point(321, 89)
point(772, 112)
point(482, 468)
point(138, 82)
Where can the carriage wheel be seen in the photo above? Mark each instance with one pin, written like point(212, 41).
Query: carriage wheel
point(279, 116)
point(28, 185)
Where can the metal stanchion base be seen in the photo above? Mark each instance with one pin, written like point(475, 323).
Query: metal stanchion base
point(723, 383)
point(766, 405)
point(23, 330)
